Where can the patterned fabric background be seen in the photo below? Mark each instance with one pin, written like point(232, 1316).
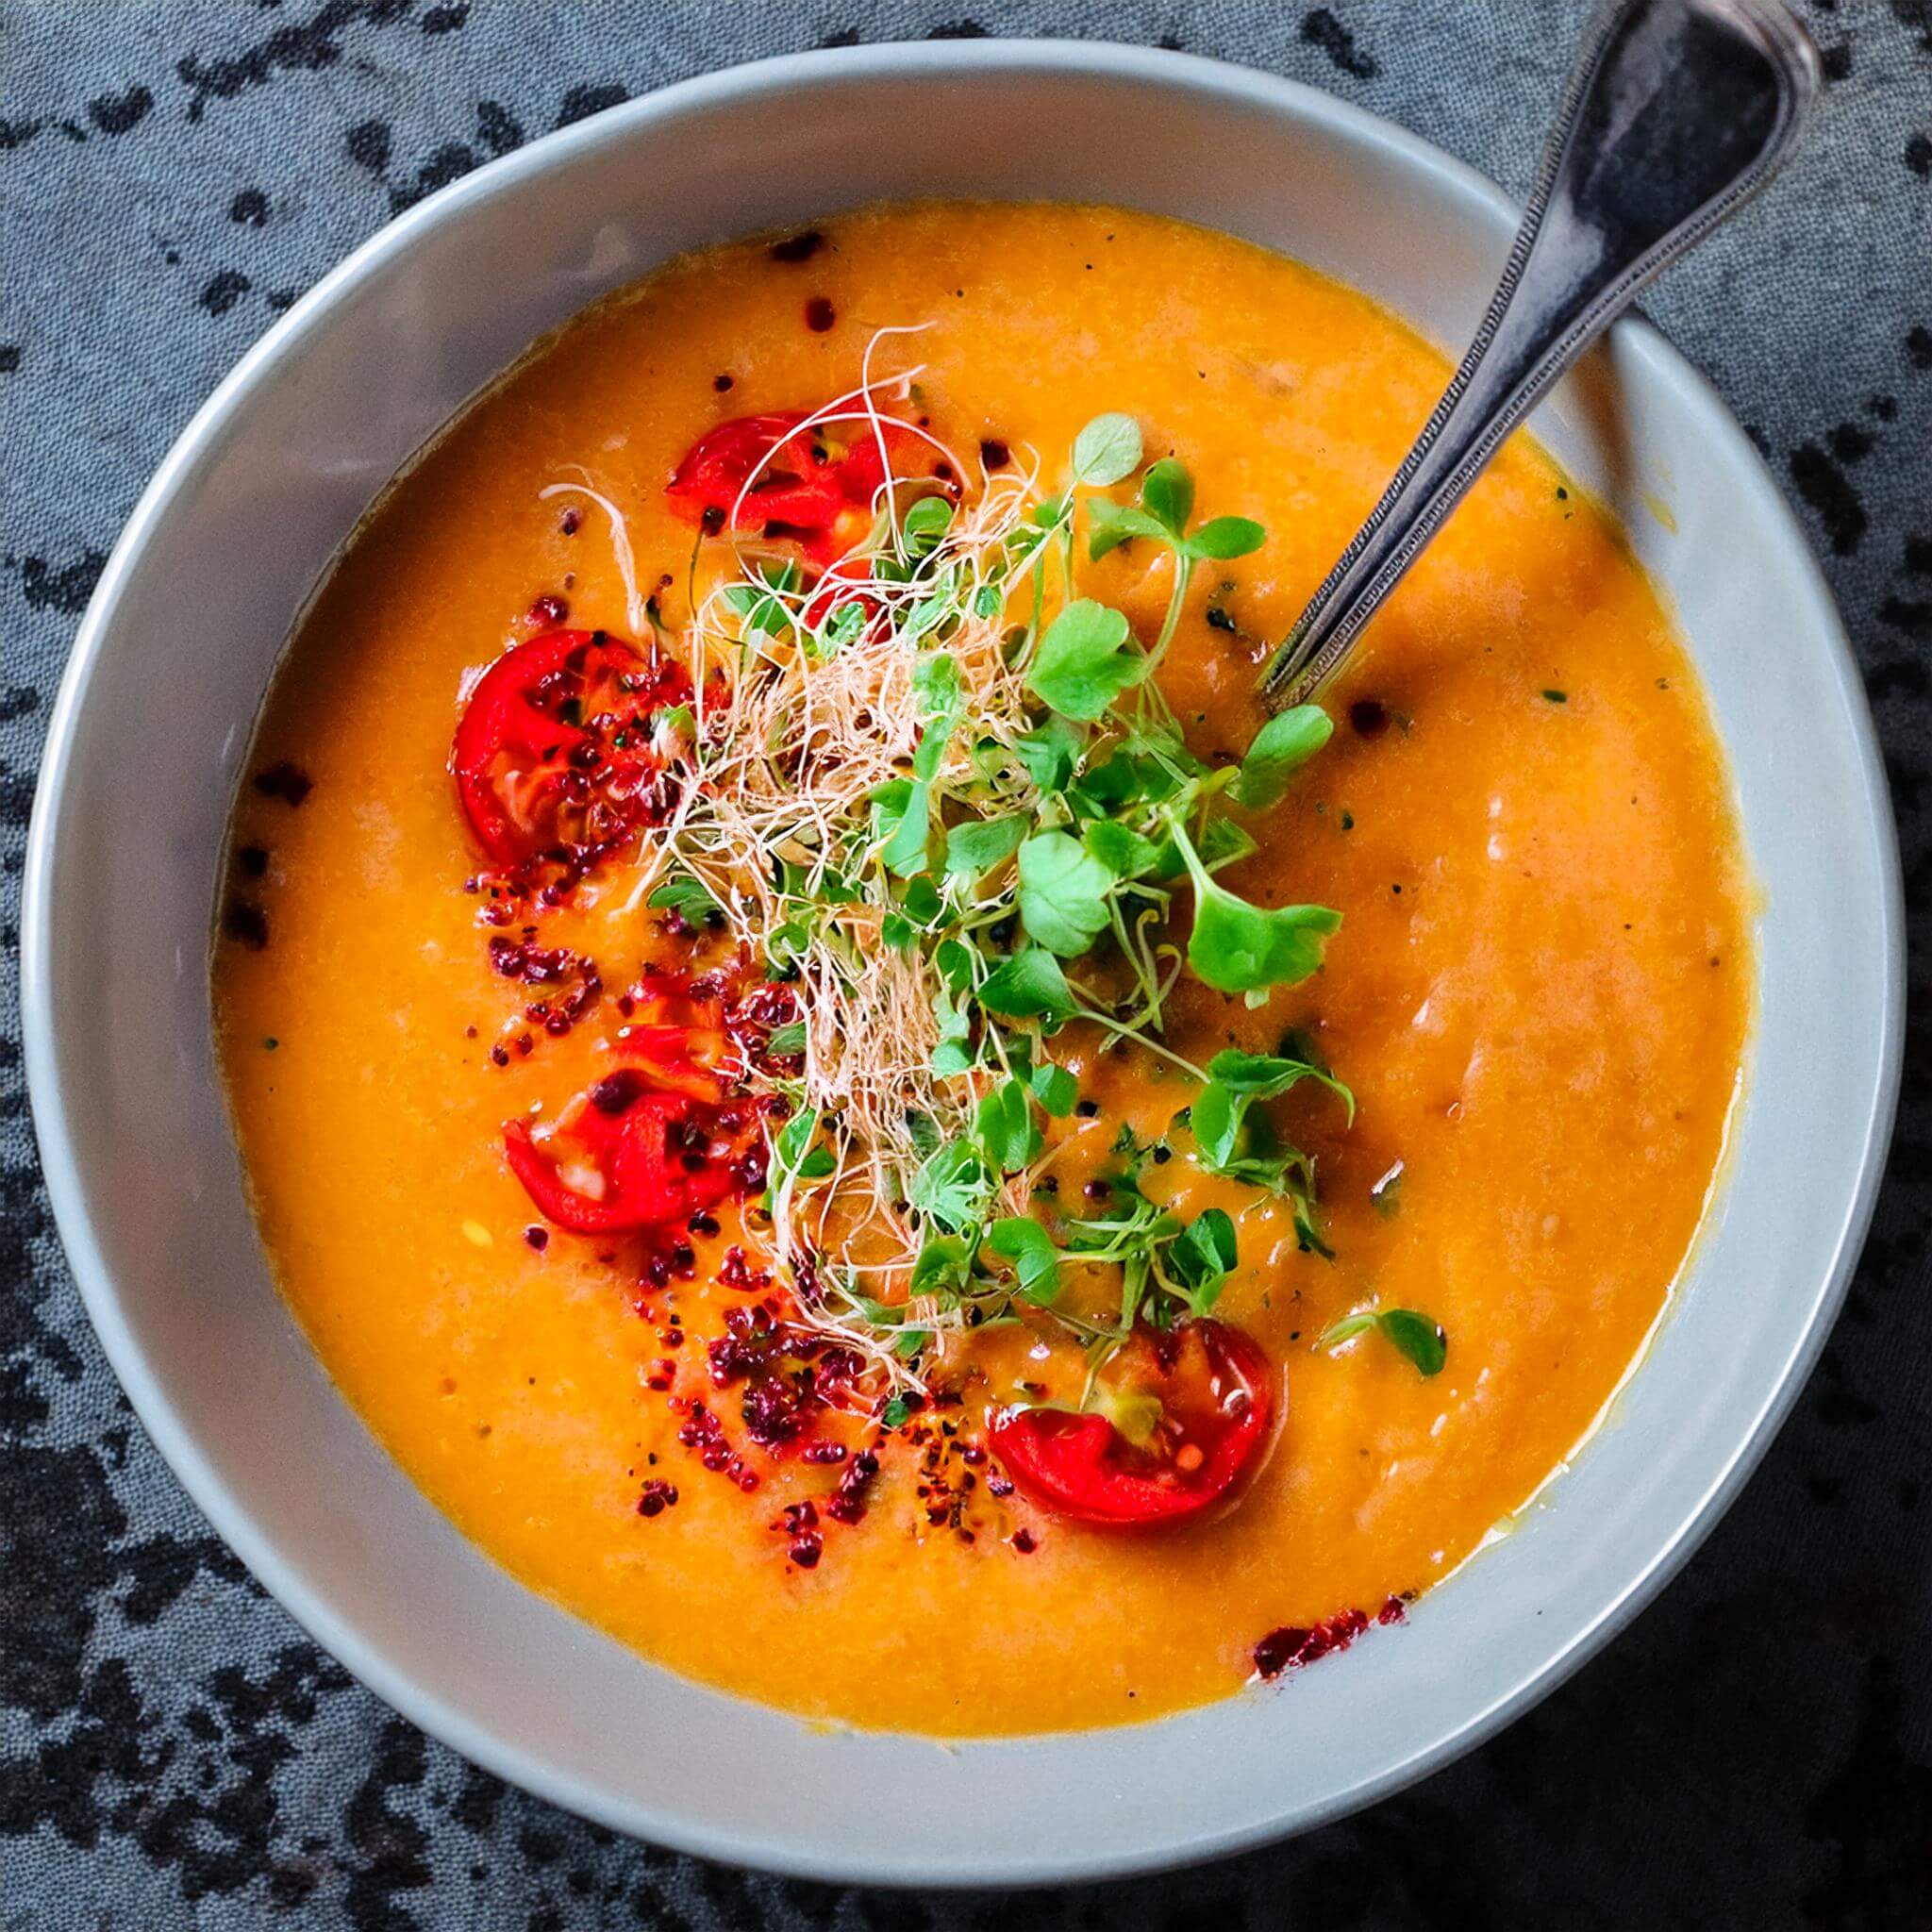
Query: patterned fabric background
point(1756, 1751)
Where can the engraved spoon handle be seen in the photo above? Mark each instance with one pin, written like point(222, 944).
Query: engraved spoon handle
point(1676, 112)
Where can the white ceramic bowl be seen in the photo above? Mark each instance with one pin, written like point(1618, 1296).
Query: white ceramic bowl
point(145, 752)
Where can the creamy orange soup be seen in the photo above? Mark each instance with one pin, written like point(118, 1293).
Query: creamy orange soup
point(1537, 995)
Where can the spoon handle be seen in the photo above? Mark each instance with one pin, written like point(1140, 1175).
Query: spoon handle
point(1675, 112)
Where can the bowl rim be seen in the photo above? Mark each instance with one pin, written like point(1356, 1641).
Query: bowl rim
point(257, 1543)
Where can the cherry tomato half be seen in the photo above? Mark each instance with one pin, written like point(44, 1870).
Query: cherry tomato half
point(623, 1157)
point(800, 484)
point(554, 748)
point(1216, 1395)
point(676, 1038)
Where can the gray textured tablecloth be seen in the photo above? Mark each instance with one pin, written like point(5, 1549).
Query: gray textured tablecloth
point(1753, 1752)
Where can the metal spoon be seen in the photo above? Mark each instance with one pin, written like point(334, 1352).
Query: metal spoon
point(1676, 112)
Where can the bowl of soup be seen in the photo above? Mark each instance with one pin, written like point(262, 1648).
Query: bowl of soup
point(756, 1135)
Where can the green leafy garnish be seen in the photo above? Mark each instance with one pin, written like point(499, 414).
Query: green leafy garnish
point(1063, 893)
point(1420, 1338)
point(1282, 748)
point(1004, 1129)
point(1028, 986)
point(1085, 661)
point(1241, 948)
point(1236, 1081)
point(951, 1186)
point(1025, 1242)
point(980, 845)
point(1042, 848)
point(1055, 1089)
point(1106, 451)
point(685, 896)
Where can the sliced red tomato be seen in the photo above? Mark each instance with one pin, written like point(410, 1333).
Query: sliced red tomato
point(769, 474)
point(1215, 1395)
point(676, 1038)
point(624, 1156)
point(553, 752)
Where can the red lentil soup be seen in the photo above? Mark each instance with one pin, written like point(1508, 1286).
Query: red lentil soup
point(841, 1097)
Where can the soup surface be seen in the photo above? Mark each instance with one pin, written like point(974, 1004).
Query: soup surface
point(786, 1430)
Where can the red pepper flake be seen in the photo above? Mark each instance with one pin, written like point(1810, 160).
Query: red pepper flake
point(807, 1551)
point(820, 314)
point(1023, 1541)
point(571, 522)
point(721, 383)
point(800, 247)
point(1291, 1648)
point(657, 1496)
point(993, 454)
point(252, 862)
point(539, 1238)
point(1393, 1611)
point(289, 782)
point(549, 608)
point(1370, 717)
point(246, 923)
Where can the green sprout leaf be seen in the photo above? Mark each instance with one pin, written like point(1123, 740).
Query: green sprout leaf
point(1085, 661)
point(1108, 451)
point(1122, 850)
point(683, 896)
point(1051, 755)
point(974, 848)
point(1063, 893)
point(1028, 986)
point(1237, 947)
point(1056, 1088)
point(1202, 1257)
point(943, 1270)
point(1110, 525)
point(1281, 747)
point(902, 821)
point(1003, 1125)
point(950, 1186)
point(1416, 1334)
point(1167, 493)
point(925, 523)
point(794, 1152)
point(1028, 1245)
point(1226, 537)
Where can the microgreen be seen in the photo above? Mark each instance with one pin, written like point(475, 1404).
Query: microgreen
point(1063, 893)
point(988, 828)
point(1237, 947)
point(1055, 1089)
point(1282, 747)
point(1025, 1242)
point(1203, 1257)
point(1236, 1081)
point(951, 1187)
point(1028, 986)
point(1419, 1338)
point(977, 847)
point(1108, 451)
point(685, 896)
point(1085, 661)
point(1004, 1128)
